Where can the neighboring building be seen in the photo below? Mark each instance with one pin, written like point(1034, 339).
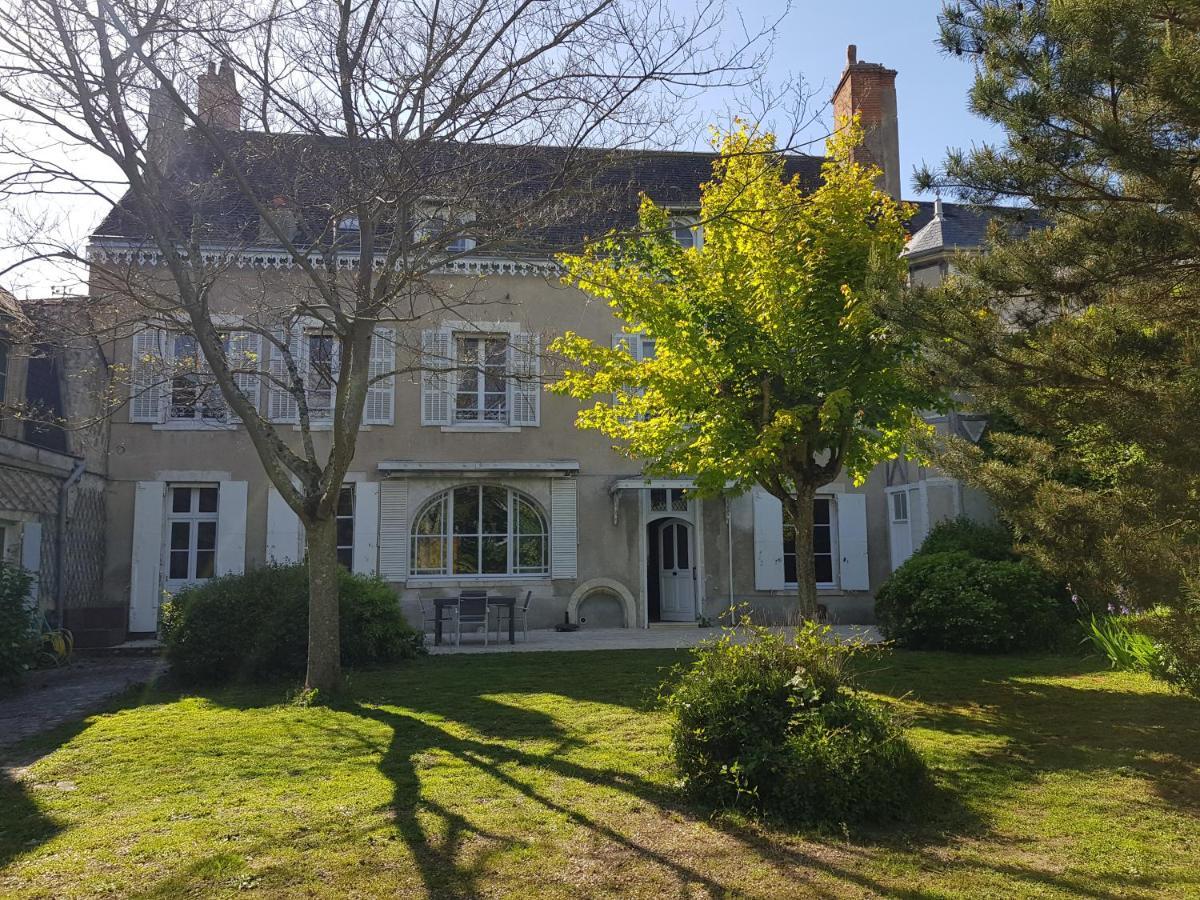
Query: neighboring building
point(484, 481)
point(51, 489)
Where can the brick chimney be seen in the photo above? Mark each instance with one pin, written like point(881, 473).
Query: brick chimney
point(218, 102)
point(869, 89)
point(164, 127)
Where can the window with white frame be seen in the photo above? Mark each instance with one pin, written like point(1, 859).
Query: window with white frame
point(481, 388)
point(823, 552)
point(668, 500)
point(480, 529)
point(687, 231)
point(194, 393)
point(191, 532)
point(446, 224)
point(320, 373)
point(344, 526)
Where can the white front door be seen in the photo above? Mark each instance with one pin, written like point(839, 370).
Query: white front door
point(677, 586)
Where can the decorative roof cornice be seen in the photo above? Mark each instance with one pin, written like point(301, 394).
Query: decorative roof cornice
point(121, 251)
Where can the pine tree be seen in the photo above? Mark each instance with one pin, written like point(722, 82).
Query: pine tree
point(1082, 337)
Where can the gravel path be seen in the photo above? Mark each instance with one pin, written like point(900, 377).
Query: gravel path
point(52, 697)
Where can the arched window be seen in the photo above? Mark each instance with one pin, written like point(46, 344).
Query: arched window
point(480, 529)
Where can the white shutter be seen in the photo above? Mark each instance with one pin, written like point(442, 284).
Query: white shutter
point(381, 375)
point(524, 384)
point(243, 350)
point(852, 541)
point(366, 526)
point(393, 535)
point(231, 528)
point(564, 531)
point(31, 559)
point(284, 545)
point(145, 585)
point(146, 374)
point(281, 403)
point(436, 377)
point(768, 541)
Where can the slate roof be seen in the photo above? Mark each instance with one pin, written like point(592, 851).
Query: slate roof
point(599, 188)
point(959, 227)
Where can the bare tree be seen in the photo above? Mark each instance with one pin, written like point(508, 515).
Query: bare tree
point(371, 146)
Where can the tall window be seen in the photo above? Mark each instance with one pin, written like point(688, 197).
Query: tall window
point(822, 544)
point(480, 530)
point(195, 395)
point(321, 375)
point(344, 523)
point(191, 532)
point(482, 386)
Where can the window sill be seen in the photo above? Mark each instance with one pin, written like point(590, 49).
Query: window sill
point(477, 429)
point(471, 581)
point(184, 425)
point(325, 426)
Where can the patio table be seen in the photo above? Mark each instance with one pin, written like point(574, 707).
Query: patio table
point(441, 603)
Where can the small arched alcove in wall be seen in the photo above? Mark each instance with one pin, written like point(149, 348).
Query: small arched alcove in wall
point(602, 592)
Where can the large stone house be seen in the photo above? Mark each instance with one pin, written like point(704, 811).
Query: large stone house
point(480, 479)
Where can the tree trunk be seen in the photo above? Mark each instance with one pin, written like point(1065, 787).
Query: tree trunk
point(324, 634)
point(800, 510)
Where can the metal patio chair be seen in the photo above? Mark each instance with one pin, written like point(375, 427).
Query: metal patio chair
point(472, 610)
point(522, 611)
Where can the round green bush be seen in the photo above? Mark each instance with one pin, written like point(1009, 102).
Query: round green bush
point(251, 626)
point(772, 726)
point(956, 601)
point(976, 538)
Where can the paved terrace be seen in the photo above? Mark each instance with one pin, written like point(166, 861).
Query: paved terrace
point(656, 637)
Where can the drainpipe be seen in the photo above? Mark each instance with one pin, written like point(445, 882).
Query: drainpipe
point(60, 587)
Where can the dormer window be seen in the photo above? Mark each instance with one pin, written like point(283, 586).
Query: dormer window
point(437, 222)
point(348, 223)
point(687, 231)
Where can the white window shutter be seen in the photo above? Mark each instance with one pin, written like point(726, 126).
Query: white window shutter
point(281, 403)
point(852, 542)
point(393, 535)
point(284, 544)
point(768, 541)
point(145, 584)
point(31, 559)
point(437, 389)
point(564, 540)
point(381, 375)
point(366, 527)
point(231, 528)
point(244, 351)
point(524, 383)
point(146, 375)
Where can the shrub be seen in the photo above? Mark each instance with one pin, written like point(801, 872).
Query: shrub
point(772, 726)
point(256, 626)
point(1176, 635)
point(17, 636)
point(979, 540)
point(954, 601)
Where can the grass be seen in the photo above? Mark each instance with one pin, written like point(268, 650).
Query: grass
point(545, 775)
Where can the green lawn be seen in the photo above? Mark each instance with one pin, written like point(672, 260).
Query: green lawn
point(545, 775)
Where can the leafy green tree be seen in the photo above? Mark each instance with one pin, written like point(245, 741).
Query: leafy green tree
point(771, 364)
point(1081, 337)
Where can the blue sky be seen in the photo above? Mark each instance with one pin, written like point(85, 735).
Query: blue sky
point(931, 88)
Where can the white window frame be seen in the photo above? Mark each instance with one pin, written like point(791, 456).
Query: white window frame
point(194, 517)
point(689, 220)
point(432, 211)
point(835, 558)
point(462, 371)
point(445, 499)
